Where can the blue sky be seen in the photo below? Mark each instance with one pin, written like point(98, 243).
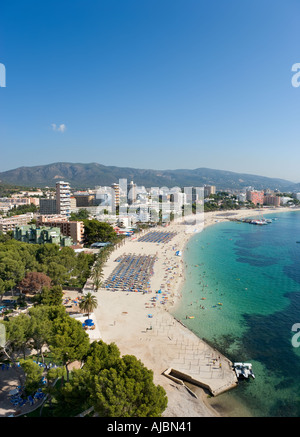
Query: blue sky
point(151, 84)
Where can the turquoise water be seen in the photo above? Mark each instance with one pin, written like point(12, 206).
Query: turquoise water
point(247, 278)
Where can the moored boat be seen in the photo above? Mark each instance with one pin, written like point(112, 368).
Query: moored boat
point(243, 370)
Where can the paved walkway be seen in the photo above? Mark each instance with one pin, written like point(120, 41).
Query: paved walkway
point(190, 358)
point(9, 380)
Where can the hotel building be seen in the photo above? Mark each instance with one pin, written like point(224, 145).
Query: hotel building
point(208, 190)
point(63, 202)
point(272, 200)
point(10, 223)
point(73, 229)
point(48, 206)
point(256, 197)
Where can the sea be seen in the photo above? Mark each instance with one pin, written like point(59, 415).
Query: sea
point(242, 285)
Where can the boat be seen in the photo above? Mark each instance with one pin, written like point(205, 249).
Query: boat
point(190, 317)
point(243, 370)
point(258, 222)
point(261, 221)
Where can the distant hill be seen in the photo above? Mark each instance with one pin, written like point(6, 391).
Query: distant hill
point(82, 176)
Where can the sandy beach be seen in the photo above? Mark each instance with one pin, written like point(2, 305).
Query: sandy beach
point(140, 323)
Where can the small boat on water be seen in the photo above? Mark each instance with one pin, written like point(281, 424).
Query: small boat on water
point(259, 222)
point(243, 370)
point(190, 317)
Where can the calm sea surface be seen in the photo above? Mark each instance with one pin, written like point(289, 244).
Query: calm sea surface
point(243, 288)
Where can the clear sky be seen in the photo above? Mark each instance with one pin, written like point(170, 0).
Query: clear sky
point(159, 84)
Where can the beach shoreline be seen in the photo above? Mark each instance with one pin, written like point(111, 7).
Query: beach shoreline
point(148, 330)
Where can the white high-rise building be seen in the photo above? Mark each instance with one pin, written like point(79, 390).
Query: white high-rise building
point(63, 201)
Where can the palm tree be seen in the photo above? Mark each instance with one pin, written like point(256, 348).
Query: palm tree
point(88, 304)
point(97, 276)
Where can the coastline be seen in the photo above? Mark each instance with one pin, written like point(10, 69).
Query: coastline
point(150, 332)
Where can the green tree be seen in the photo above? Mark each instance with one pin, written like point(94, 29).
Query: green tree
point(82, 270)
point(97, 276)
point(127, 391)
point(115, 386)
point(88, 304)
point(22, 209)
point(47, 253)
point(101, 356)
point(70, 342)
point(52, 376)
point(67, 258)
point(2, 289)
point(82, 214)
point(74, 396)
point(40, 329)
point(33, 374)
point(18, 330)
point(95, 231)
point(51, 296)
point(11, 270)
point(57, 272)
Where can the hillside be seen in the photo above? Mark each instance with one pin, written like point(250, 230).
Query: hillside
point(82, 176)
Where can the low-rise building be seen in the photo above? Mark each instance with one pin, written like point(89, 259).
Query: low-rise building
point(41, 235)
point(73, 229)
point(10, 223)
point(272, 200)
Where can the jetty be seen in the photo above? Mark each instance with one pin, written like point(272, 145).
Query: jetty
point(191, 360)
point(251, 221)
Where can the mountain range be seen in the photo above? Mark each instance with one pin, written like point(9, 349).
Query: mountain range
point(82, 176)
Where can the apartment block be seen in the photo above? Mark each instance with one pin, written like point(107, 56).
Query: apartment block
point(10, 223)
point(73, 229)
point(41, 235)
point(256, 197)
point(19, 201)
point(116, 195)
point(73, 203)
point(208, 190)
point(48, 206)
point(272, 200)
point(63, 202)
point(84, 199)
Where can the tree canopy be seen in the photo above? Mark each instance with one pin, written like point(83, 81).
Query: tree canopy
point(115, 386)
point(96, 231)
point(33, 282)
point(23, 264)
